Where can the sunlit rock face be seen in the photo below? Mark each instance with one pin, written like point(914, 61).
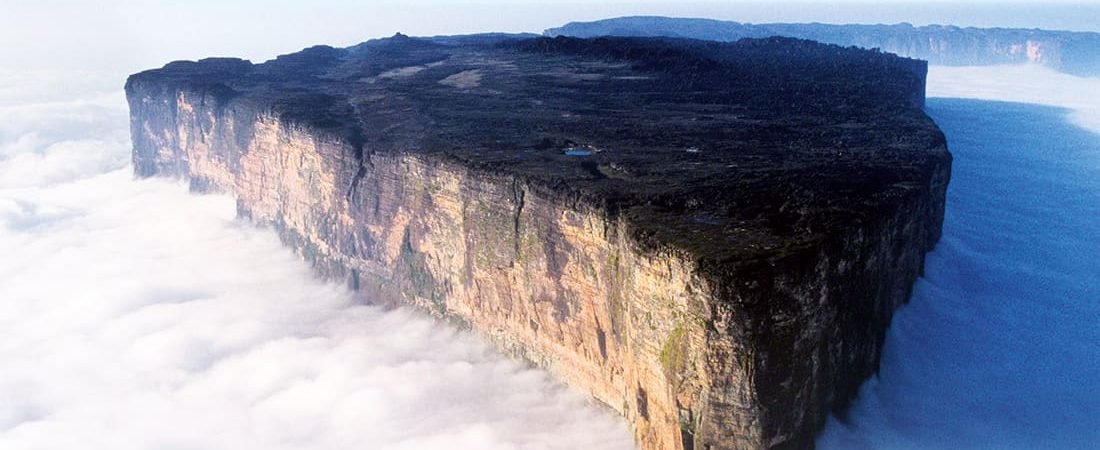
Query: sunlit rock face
point(709, 238)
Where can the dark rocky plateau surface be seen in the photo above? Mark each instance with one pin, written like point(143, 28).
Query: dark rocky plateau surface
point(708, 237)
point(727, 150)
point(1072, 52)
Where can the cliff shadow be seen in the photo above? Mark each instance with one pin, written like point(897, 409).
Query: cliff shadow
point(998, 346)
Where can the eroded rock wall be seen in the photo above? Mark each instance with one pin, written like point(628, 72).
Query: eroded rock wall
point(694, 355)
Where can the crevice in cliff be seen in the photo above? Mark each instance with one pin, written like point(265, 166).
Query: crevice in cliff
point(364, 161)
point(518, 195)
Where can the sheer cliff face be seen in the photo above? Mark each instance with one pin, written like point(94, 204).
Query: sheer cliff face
point(695, 352)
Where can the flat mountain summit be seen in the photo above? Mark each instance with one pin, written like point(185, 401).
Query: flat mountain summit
point(721, 149)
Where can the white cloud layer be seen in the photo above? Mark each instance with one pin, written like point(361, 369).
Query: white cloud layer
point(134, 315)
point(1025, 83)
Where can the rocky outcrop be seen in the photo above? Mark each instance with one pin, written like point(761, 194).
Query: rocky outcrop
point(1076, 53)
point(713, 250)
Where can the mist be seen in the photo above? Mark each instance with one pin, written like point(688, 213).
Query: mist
point(999, 345)
point(136, 315)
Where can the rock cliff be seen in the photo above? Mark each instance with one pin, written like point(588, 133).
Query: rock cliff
point(1076, 53)
point(709, 238)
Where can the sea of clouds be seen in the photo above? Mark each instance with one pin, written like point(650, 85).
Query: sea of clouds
point(1000, 345)
point(135, 315)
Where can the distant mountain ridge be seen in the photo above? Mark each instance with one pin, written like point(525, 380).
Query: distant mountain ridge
point(1075, 53)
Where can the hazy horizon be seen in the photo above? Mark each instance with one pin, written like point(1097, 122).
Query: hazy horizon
point(129, 36)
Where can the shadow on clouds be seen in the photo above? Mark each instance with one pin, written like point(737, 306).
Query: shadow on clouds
point(1000, 344)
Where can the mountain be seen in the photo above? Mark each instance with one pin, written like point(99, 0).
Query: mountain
point(710, 238)
point(1076, 53)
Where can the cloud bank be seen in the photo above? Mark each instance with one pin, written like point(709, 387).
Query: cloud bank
point(999, 346)
point(134, 315)
point(1021, 83)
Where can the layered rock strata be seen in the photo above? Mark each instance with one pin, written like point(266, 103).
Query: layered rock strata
point(708, 238)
